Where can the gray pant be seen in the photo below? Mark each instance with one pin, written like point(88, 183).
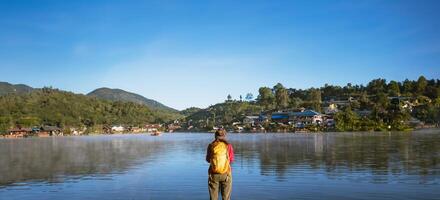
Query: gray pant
point(222, 182)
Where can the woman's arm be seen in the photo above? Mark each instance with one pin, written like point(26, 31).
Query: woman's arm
point(208, 154)
point(231, 153)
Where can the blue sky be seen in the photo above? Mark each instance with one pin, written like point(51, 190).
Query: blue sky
point(195, 53)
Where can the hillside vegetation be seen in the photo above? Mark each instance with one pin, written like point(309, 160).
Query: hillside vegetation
point(7, 88)
point(65, 109)
point(121, 95)
point(388, 104)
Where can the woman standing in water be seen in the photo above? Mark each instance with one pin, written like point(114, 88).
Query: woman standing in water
point(220, 155)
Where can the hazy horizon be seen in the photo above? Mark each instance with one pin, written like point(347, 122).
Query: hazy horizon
point(195, 53)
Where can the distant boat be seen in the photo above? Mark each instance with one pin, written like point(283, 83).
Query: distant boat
point(156, 133)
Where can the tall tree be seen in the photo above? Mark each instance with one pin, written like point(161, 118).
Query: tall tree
point(421, 85)
point(265, 97)
point(278, 86)
point(346, 120)
point(295, 102)
point(249, 97)
point(377, 85)
point(281, 96)
point(314, 97)
point(407, 87)
point(393, 88)
point(381, 101)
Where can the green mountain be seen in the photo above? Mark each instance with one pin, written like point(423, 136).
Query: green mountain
point(49, 106)
point(190, 111)
point(7, 88)
point(121, 95)
point(100, 93)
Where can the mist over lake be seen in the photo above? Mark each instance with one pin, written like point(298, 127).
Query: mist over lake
point(395, 165)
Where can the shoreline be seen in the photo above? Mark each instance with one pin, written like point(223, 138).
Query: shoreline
point(243, 132)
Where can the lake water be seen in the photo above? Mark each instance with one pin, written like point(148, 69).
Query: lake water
point(268, 166)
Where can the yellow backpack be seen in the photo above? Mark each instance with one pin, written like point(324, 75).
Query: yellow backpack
point(220, 158)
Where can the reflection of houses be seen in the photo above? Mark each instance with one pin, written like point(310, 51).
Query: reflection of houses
point(46, 131)
point(319, 144)
point(19, 132)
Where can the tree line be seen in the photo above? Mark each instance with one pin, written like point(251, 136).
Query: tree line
point(383, 100)
point(49, 106)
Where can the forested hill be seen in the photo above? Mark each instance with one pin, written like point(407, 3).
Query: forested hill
point(378, 105)
point(7, 88)
point(101, 93)
point(121, 95)
point(65, 109)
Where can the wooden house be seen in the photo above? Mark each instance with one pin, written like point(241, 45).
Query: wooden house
point(19, 133)
point(46, 131)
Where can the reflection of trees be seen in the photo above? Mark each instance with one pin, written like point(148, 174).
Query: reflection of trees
point(49, 158)
point(378, 154)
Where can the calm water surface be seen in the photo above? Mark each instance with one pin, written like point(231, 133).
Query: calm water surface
point(268, 166)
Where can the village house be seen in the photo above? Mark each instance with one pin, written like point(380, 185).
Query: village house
point(280, 117)
point(299, 117)
point(75, 131)
point(46, 131)
point(331, 109)
point(135, 129)
point(403, 102)
point(19, 133)
point(118, 129)
point(306, 117)
point(172, 127)
point(153, 127)
point(339, 102)
point(251, 120)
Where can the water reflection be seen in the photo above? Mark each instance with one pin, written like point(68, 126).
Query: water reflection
point(268, 166)
point(344, 154)
point(52, 159)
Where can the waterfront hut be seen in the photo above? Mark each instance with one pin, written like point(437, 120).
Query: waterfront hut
point(46, 131)
point(19, 133)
